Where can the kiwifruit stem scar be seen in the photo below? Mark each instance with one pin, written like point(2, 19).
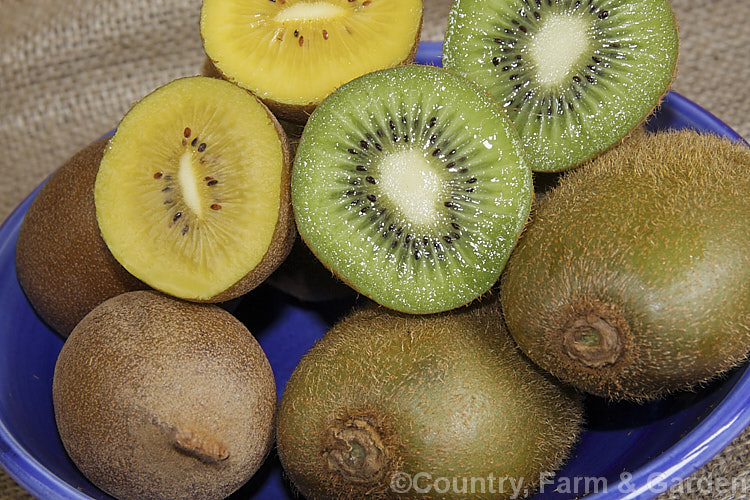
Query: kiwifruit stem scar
point(411, 183)
point(189, 184)
point(354, 449)
point(592, 341)
point(309, 11)
point(207, 449)
point(558, 46)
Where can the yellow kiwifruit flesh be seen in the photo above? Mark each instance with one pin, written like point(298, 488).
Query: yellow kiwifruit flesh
point(294, 53)
point(192, 192)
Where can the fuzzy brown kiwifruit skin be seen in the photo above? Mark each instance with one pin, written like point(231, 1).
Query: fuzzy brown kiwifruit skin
point(545, 181)
point(631, 281)
point(159, 398)
point(284, 233)
point(447, 395)
point(63, 265)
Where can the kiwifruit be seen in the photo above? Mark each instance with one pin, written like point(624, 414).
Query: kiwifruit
point(633, 278)
point(159, 398)
point(192, 194)
point(410, 185)
point(574, 75)
point(63, 265)
point(293, 53)
point(386, 397)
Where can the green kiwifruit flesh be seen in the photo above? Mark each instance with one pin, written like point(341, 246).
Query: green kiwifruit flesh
point(293, 53)
point(574, 75)
point(410, 185)
point(633, 278)
point(63, 265)
point(160, 398)
point(193, 191)
point(449, 395)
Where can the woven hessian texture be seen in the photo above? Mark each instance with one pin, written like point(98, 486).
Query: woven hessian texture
point(69, 70)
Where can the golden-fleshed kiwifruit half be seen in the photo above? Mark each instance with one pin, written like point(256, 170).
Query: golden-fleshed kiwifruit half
point(632, 279)
point(156, 397)
point(192, 195)
point(293, 53)
point(62, 263)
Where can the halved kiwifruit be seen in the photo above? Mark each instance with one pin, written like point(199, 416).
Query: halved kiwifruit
point(192, 194)
point(293, 53)
point(410, 184)
point(574, 75)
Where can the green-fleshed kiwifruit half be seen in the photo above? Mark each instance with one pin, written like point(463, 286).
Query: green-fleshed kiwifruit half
point(63, 265)
point(410, 185)
point(193, 191)
point(293, 53)
point(574, 75)
point(157, 398)
point(633, 278)
point(385, 396)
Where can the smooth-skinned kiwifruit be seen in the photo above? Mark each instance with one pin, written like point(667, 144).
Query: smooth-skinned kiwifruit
point(411, 186)
point(156, 397)
point(63, 265)
point(293, 53)
point(384, 397)
point(193, 191)
point(633, 278)
point(574, 75)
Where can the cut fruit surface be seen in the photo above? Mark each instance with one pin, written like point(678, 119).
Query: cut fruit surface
point(410, 184)
point(575, 76)
point(192, 194)
point(296, 52)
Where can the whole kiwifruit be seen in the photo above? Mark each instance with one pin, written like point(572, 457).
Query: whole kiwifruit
point(386, 405)
point(63, 265)
point(158, 398)
point(633, 278)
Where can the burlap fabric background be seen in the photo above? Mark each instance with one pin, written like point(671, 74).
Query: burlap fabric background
point(70, 69)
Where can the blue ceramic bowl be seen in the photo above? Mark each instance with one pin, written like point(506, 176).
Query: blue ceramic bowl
point(627, 451)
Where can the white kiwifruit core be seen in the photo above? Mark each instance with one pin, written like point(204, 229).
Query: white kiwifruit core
point(557, 48)
point(189, 184)
point(309, 11)
point(411, 183)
